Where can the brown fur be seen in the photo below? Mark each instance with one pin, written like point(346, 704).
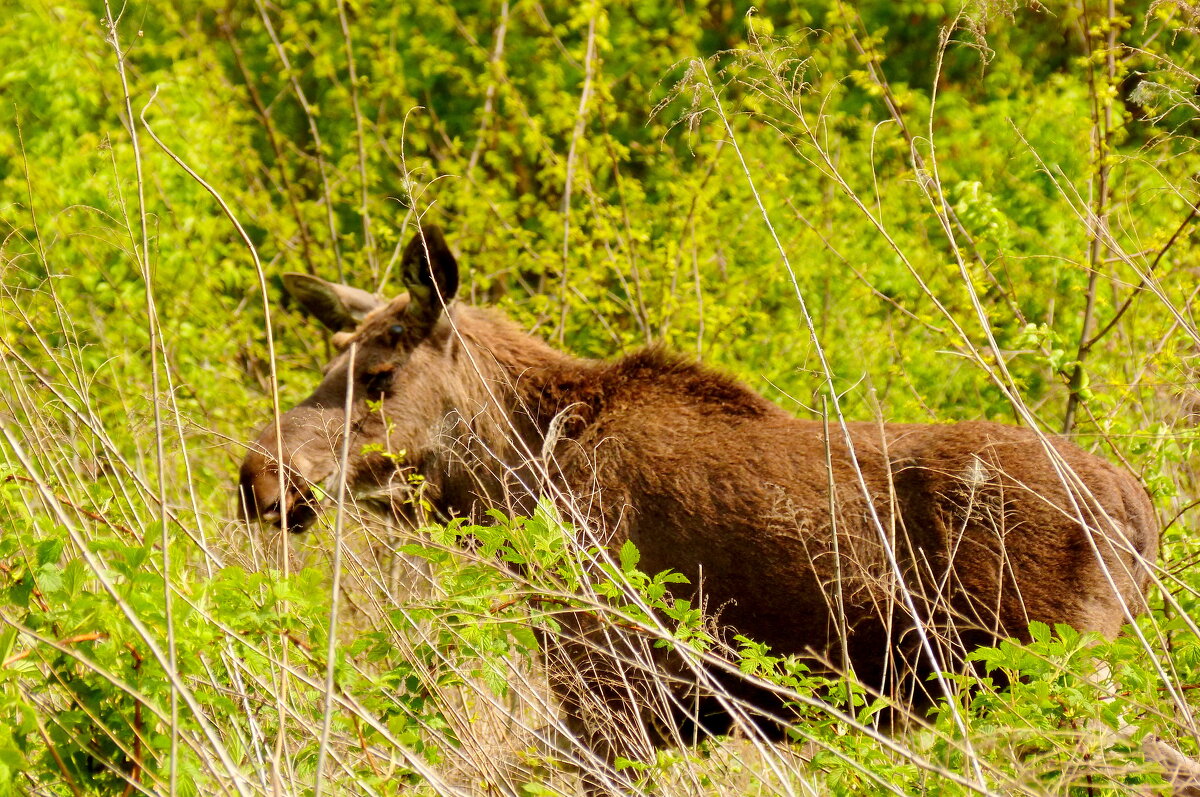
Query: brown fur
point(714, 481)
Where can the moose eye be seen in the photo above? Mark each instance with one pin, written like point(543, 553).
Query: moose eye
point(393, 336)
point(377, 380)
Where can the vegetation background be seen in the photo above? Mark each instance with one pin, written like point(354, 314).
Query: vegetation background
point(915, 210)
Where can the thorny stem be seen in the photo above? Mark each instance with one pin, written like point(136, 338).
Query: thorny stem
point(71, 640)
point(96, 516)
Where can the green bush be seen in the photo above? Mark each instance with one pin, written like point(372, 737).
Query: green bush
point(974, 207)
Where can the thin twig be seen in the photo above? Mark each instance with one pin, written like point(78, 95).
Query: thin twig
point(157, 350)
point(585, 96)
point(1102, 122)
point(336, 585)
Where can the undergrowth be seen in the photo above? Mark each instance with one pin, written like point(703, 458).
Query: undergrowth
point(912, 211)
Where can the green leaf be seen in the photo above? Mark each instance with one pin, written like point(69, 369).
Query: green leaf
point(49, 550)
point(8, 639)
point(630, 556)
point(49, 579)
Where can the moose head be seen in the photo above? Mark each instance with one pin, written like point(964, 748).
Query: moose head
point(412, 394)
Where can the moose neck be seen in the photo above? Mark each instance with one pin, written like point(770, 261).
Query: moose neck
point(507, 388)
point(533, 383)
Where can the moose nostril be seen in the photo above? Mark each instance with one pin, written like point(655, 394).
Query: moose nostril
point(300, 517)
point(270, 513)
point(252, 507)
point(260, 494)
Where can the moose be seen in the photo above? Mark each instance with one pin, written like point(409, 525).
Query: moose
point(886, 549)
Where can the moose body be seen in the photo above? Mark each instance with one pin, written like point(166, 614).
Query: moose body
point(800, 534)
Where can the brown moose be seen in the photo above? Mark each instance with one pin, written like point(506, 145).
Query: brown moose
point(804, 535)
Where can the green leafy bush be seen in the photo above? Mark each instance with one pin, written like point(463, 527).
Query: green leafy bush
point(919, 211)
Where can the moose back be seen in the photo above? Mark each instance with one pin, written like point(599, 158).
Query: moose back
point(799, 534)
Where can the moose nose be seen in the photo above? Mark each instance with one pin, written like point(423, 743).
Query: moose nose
point(258, 490)
point(261, 500)
point(268, 512)
point(278, 483)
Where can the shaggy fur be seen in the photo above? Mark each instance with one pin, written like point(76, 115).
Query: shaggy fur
point(763, 512)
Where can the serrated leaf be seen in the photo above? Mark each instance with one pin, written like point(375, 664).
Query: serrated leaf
point(630, 556)
point(49, 579)
point(49, 551)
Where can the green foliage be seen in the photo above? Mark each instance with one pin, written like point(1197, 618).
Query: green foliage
point(950, 187)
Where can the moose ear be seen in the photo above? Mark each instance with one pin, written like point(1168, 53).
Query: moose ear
point(338, 307)
point(430, 273)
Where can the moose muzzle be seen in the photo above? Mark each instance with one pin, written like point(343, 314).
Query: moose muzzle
point(306, 460)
